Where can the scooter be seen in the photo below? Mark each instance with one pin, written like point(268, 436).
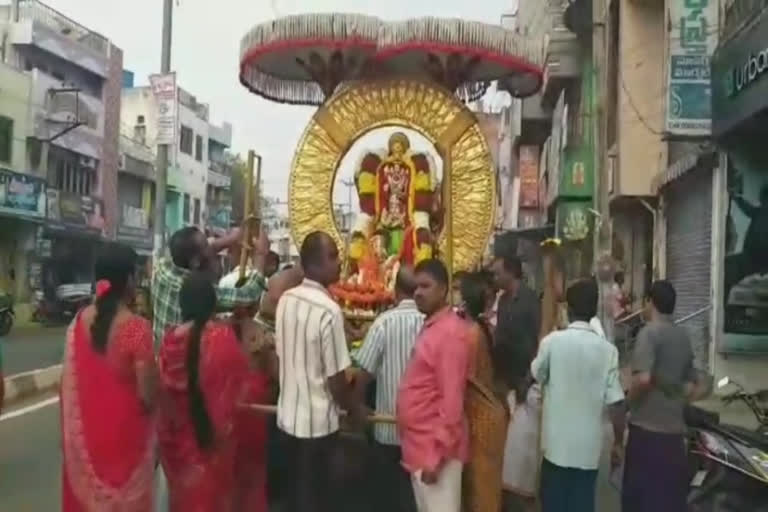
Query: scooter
point(7, 314)
point(729, 464)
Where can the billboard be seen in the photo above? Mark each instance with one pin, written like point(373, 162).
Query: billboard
point(164, 91)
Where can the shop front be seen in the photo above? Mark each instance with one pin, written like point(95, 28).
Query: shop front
point(22, 209)
point(740, 128)
point(74, 231)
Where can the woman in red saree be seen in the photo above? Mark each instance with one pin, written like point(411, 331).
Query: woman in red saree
point(203, 375)
point(107, 396)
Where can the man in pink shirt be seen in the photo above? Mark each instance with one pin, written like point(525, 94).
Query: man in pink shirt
point(430, 402)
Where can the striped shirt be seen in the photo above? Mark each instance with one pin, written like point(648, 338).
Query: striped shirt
point(385, 354)
point(311, 346)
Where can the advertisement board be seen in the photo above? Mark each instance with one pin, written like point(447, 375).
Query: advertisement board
point(692, 41)
point(164, 91)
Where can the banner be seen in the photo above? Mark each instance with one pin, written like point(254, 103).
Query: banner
point(529, 176)
point(692, 41)
point(21, 195)
point(68, 211)
point(164, 90)
point(745, 280)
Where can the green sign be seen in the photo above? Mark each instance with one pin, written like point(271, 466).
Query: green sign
point(692, 41)
point(744, 75)
point(574, 220)
point(576, 173)
point(739, 84)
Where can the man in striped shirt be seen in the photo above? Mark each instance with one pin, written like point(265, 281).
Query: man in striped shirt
point(384, 356)
point(312, 351)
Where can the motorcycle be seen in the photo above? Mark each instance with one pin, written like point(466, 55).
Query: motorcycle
point(7, 314)
point(729, 464)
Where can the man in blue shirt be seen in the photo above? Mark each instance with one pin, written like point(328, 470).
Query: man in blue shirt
point(579, 373)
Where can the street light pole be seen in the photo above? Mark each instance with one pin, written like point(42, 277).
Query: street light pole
point(161, 183)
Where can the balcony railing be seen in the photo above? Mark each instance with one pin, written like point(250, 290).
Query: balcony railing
point(38, 11)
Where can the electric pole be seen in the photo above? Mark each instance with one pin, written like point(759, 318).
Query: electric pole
point(604, 265)
point(161, 182)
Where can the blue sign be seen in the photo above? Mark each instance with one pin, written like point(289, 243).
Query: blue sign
point(22, 195)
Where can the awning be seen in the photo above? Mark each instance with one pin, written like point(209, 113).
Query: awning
point(682, 165)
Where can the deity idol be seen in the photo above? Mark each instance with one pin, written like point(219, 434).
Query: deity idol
point(397, 199)
point(397, 213)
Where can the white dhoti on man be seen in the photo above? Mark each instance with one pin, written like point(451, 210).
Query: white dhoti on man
point(442, 496)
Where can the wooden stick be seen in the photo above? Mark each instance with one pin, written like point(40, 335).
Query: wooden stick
point(271, 409)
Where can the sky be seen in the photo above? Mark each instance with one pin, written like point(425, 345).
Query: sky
point(206, 42)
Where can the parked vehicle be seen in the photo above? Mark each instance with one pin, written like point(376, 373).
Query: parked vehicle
point(729, 464)
point(7, 315)
point(70, 298)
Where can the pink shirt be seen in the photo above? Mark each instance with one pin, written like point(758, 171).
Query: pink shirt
point(430, 401)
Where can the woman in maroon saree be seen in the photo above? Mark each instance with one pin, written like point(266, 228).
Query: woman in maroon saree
point(203, 374)
point(107, 396)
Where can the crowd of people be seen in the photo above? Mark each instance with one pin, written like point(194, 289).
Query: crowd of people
point(488, 417)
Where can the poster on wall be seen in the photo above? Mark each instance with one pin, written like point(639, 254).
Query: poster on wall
point(164, 90)
point(692, 41)
point(745, 282)
point(529, 176)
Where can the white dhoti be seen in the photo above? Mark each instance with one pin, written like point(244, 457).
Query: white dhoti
point(442, 496)
point(161, 491)
point(521, 453)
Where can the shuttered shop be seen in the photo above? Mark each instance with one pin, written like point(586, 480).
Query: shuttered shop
point(689, 245)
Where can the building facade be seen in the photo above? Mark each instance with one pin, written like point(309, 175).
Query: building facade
point(199, 167)
point(69, 140)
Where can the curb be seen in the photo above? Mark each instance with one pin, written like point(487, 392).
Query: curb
point(27, 384)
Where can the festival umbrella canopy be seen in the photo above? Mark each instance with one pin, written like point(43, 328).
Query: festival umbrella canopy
point(302, 59)
point(464, 56)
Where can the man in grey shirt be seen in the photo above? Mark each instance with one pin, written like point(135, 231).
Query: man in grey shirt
point(663, 381)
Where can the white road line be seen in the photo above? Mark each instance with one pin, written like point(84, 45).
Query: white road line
point(29, 408)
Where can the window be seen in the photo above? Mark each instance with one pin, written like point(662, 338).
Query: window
point(199, 148)
point(186, 139)
point(6, 139)
point(197, 212)
point(185, 214)
point(74, 179)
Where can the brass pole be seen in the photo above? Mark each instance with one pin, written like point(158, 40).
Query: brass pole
point(448, 217)
point(251, 214)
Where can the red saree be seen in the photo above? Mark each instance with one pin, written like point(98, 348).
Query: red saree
point(200, 480)
point(107, 437)
point(251, 438)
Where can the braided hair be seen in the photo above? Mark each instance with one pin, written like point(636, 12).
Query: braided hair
point(198, 303)
point(114, 272)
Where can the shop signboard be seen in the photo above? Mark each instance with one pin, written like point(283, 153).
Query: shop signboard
point(134, 229)
point(740, 77)
point(21, 195)
point(68, 211)
point(529, 176)
point(692, 41)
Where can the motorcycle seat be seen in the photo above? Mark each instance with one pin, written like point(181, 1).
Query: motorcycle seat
point(698, 417)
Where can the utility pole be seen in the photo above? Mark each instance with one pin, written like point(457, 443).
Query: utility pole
point(604, 265)
point(161, 183)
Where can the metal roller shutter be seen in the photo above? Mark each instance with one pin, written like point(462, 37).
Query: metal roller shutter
point(689, 245)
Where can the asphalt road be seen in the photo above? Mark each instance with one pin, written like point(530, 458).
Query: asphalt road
point(30, 463)
point(30, 460)
point(30, 348)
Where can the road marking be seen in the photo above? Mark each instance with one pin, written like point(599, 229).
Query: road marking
point(29, 408)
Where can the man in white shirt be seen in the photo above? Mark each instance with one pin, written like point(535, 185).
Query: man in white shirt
point(579, 373)
point(312, 351)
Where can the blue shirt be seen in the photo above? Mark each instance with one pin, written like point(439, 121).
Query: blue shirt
point(579, 374)
point(385, 353)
